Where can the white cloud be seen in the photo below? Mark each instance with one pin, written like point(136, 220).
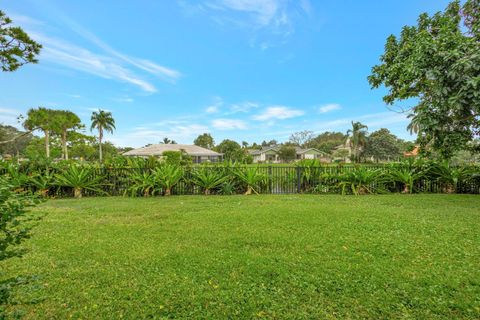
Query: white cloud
point(270, 20)
point(10, 116)
point(278, 112)
point(329, 107)
point(124, 99)
point(215, 106)
point(103, 61)
point(229, 124)
point(243, 107)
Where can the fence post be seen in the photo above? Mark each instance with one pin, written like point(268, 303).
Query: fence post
point(299, 180)
point(270, 181)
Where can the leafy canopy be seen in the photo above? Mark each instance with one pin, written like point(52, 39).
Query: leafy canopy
point(437, 64)
point(16, 47)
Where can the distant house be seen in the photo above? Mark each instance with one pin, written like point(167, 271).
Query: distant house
point(270, 154)
point(415, 152)
point(197, 153)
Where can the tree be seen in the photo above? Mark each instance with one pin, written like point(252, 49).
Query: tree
point(168, 141)
point(16, 47)
point(382, 145)
point(205, 141)
point(327, 141)
point(102, 121)
point(287, 153)
point(437, 63)
point(269, 143)
point(358, 138)
point(301, 138)
point(15, 146)
point(231, 150)
point(65, 121)
point(41, 119)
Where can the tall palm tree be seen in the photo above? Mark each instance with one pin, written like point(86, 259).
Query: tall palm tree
point(102, 121)
point(358, 138)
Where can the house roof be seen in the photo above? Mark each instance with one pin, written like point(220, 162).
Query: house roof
point(277, 148)
point(159, 149)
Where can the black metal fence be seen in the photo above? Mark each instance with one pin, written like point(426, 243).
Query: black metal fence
point(277, 180)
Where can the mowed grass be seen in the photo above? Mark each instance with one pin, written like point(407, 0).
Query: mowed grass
point(297, 256)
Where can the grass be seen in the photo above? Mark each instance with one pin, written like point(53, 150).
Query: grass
point(302, 256)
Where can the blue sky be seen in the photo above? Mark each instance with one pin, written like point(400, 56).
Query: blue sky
point(240, 69)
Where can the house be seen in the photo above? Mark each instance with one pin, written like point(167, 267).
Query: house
point(412, 154)
point(197, 153)
point(270, 154)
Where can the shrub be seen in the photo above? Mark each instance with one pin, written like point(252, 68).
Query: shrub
point(80, 179)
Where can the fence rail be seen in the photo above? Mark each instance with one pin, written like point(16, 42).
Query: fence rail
point(276, 180)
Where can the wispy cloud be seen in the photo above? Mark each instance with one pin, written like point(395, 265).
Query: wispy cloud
point(329, 107)
point(278, 112)
point(229, 124)
point(100, 60)
point(266, 18)
point(9, 116)
point(243, 107)
point(215, 106)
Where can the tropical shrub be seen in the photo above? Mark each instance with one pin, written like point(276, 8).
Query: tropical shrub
point(167, 176)
point(43, 182)
point(451, 177)
point(251, 177)
point(362, 181)
point(142, 183)
point(208, 179)
point(80, 179)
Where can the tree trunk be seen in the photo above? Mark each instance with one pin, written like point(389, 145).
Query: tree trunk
point(207, 192)
point(100, 136)
point(64, 145)
point(168, 191)
point(47, 143)
point(77, 192)
point(249, 191)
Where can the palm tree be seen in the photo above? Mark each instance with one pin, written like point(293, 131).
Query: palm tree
point(358, 138)
point(101, 121)
point(168, 141)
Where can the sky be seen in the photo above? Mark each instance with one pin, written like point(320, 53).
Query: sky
point(247, 70)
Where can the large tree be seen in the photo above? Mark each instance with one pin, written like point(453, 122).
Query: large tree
point(436, 64)
point(301, 138)
point(15, 146)
point(327, 141)
point(102, 121)
point(382, 145)
point(64, 122)
point(231, 150)
point(16, 47)
point(205, 141)
point(357, 138)
point(41, 119)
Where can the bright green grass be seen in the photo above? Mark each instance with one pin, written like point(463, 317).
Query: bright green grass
point(305, 256)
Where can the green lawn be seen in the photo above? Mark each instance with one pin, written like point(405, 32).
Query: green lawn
point(299, 256)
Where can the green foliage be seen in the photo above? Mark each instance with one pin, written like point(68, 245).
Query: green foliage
point(383, 146)
point(143, 183)
point(208, 179)
point(167, 176)
point(205, 141)
point(451, 177)
point(178, 158)
point(358, 139)
point(18, 140)
point(252, 178)
point(287, 153)
point(437, 63)
point(102, 121)
point(284, 257)
point(327, 141)
point(16, 47)
point(231, 150)
point(361, 181)
point(80, 179)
